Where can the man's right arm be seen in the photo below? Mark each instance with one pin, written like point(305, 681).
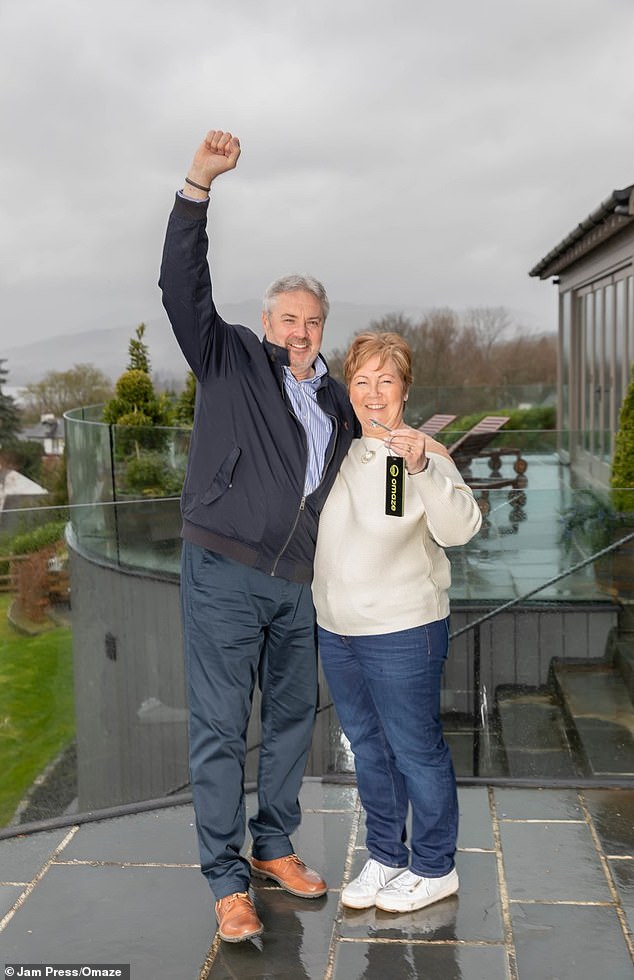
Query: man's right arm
point(218, 153)
point(185, 279)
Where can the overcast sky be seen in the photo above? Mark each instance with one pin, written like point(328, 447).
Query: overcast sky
point(410, 154)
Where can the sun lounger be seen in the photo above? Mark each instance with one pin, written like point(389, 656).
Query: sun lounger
point(435, 424)
point(473, 444)
point(476, 439)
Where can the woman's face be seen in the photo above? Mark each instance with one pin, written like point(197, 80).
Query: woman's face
point(377, 391)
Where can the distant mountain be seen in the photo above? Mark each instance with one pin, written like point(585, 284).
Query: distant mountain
point(107, 349)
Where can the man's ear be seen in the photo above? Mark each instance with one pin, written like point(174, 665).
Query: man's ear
point(265, 320)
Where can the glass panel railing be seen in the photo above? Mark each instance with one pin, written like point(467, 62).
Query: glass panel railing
point(92, 689)
point(112, 467)
point(148, 462)
point(119, 466)
point(122, 462)
point(141, 535)
point(89, 452)
point(424, 402)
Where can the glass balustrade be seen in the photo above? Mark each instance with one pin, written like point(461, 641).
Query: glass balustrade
point(93, 708)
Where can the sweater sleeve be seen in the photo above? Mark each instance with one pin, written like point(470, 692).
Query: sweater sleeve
point(185, 281)
point(453, 515)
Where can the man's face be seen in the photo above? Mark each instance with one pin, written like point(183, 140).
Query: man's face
point(296, 322)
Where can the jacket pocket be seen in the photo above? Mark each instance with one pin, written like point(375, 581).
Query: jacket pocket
point(222, 480)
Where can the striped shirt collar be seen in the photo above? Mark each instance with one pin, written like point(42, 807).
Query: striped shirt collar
point(320, 371)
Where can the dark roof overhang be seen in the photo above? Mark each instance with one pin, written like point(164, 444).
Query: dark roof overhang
point(615, 213)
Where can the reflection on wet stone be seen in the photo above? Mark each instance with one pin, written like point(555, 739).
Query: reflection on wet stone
point(436, 922)
point(378, 961)
point(294, 943)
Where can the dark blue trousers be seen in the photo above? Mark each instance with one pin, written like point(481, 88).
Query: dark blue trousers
point(241, 626)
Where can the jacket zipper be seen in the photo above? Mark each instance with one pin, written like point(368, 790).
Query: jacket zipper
point(302, 502)
point(290, 535)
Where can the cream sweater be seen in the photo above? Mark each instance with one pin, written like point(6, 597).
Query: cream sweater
point(379, 574)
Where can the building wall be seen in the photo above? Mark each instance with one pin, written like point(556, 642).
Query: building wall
point(596, 348)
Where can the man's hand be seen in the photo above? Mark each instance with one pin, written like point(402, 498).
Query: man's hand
point(218, 153)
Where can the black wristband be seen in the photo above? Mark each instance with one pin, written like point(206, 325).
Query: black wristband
point(200, 187)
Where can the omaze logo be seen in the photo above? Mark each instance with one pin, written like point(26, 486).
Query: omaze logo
point(394, 487)
point(394, 470)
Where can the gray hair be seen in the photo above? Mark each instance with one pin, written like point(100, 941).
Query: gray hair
point(292, 284)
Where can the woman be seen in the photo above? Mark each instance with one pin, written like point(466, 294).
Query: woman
point(380, 591)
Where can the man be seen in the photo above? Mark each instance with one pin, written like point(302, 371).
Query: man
point(271, 429)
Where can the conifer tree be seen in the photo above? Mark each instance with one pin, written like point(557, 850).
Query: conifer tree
point(10, 422)
point(622, 478)
point(136, 405)
point(138, 351)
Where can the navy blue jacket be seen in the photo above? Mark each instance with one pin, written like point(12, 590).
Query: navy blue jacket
point(243, 495)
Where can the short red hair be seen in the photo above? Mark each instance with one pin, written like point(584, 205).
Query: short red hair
point(388, 346)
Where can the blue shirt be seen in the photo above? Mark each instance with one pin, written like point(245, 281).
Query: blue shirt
point(317, 425)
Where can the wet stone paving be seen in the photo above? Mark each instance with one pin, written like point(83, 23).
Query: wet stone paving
point(546, 893)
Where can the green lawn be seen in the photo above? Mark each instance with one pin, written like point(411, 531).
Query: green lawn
point(37, 717)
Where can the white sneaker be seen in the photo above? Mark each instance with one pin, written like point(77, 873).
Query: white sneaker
point(409, 892)
point(362, 891)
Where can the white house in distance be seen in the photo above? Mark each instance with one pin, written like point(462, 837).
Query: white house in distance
point(594, 269)
point(49, 431)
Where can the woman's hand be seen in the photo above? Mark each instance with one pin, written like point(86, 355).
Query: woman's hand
point(413, 445)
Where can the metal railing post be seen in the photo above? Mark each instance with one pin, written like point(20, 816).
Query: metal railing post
point(477, 701)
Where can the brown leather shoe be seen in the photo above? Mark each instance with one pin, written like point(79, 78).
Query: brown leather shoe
point(293, 875)
point(237, 918)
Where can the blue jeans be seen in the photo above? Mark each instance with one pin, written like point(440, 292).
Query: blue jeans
point(242, 627)
point(386, 690)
